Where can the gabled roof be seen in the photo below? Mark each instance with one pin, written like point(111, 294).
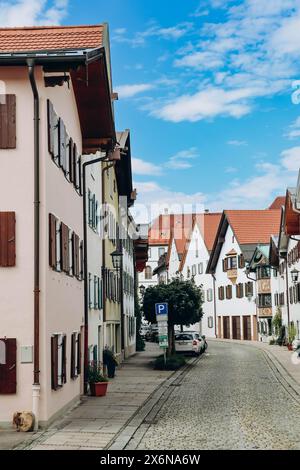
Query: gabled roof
point(277, 203)
point(51, 38)
point(167, 225)
point(81, 51)
point(250, 228)
point(208, 225)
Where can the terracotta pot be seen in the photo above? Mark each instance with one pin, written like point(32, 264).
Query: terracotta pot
point(98, 389)
point(290, 347)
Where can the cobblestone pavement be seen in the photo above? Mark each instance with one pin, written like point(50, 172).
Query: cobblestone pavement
point(231, 399)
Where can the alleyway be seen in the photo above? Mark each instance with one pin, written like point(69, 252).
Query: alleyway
point(231, 399)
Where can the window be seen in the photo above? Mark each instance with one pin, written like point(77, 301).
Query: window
point(229, 292)
point(58, 361)
point(161, 251)
point(209, 295)
point(64, 248)
point(90, 291)
point(221, 293)
point(8, 369)
point(8, 138)
point(149, 252)
point(188, 273)
point(229, 263)
point(210, 322)
point(239, 291)
point(148, 272)
point(275, 272)
point(194, 270)
point(263, 272)
point(197, 248)
point(7, 239)
point(249, 289)
point(75, 355)
point(200, 268)
point(264, 300)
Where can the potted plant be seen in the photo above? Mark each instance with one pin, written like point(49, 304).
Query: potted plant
point(110, 361)
point(97, 381)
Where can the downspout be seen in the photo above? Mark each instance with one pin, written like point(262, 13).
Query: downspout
point(215, 304)
point(85, 274)
point(36, 361)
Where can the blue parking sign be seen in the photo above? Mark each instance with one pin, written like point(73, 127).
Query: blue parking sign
point(161, 309)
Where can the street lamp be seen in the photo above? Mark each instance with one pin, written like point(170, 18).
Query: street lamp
point(117, 259)
point(295, 275)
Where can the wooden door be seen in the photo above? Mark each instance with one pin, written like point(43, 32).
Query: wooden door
point(236, 328)
point(247, 327)
point(226, 328)
point(219, 328)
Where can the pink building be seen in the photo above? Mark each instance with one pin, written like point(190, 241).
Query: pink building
point(55, 106)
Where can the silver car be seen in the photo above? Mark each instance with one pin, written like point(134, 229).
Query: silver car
point(189, 342)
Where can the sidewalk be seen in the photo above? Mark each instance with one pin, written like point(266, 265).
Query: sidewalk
point(281, 359)
point(96, 421)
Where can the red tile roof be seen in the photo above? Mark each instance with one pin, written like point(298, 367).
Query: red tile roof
point(51, 38)
point(277, 203)
point(254, 226)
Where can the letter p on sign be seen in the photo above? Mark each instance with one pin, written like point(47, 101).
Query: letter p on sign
point(161, 311)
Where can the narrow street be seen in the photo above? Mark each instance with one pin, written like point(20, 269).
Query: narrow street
point(229, 399)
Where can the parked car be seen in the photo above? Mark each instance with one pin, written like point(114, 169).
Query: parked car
point(144, 330)
point(152, 334)
point(189, 342)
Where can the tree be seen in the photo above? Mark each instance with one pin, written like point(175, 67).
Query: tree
point(185, 301)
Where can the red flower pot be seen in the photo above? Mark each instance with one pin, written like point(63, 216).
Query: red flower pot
point(98, 389)
point(290, 347)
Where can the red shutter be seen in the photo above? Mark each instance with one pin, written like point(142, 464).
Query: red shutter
point(54, 362)
point(8, 121)
point(65, 263)
point(8, 371)
point(7, 239)
point(79, 354)
point(52, 241)
point(73, 358)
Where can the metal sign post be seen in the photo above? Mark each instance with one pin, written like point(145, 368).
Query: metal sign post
point(161, 311)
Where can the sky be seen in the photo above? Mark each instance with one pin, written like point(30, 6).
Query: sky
point(210, 90)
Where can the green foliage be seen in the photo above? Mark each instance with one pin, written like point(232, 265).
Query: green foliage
point(277, 321)
point(173, 362)
point(140, 343)
point(271, 342)
point(95, 374)
point(281, 338)
point(292, 333)
point(185, 301)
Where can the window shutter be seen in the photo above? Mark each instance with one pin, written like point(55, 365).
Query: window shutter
point(75, 244)
point(52, 128)
point(8, 122)
point(62, 145)
point(65, 248)
point(224, 265)
point(52, 241)
point(79, 176)
point(73, 357)
point(74, 166)
point(241, 261)
point(54, 362)
point(70, 157)
point(7, 239)
point(64, 360)
point(79, 354)
point(81, 252)
point(8, 371)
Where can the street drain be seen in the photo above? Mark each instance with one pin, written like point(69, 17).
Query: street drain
point(175, 385)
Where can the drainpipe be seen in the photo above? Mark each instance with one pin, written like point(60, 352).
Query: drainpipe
point(85, 269)
point(36, 374)
point(215, 304)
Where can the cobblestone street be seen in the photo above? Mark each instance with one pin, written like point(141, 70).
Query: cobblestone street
point(229, 399)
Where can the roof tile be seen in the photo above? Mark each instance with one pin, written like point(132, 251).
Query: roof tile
point(254, 226)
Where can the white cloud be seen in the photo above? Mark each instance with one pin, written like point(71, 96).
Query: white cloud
point(200, 60)
point(290, 159)
point(128, 91)
point(208, 103)
point(168, 33)
point(294, 130)
point(32, 12)
point(180, 161)
point(237, 143)
point(141, 167)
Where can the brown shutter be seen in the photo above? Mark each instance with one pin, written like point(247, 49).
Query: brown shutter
point(70, 156)
point(8, 121)
point(73, 358)
point(74, 166)
point(79, 176)
point(81, 274)
point(52, 241)
point(52, 122)
point(62, 145)
point(241, 261)
point(75, 248)
point(54, 362)
point(64, 360)
point(79, 354)
point(7, 239)
point(65, 264)
point(8, 371)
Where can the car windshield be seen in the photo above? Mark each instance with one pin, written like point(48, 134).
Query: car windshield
point(183, 337)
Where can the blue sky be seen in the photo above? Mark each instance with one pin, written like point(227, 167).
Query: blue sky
point(206, 89)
